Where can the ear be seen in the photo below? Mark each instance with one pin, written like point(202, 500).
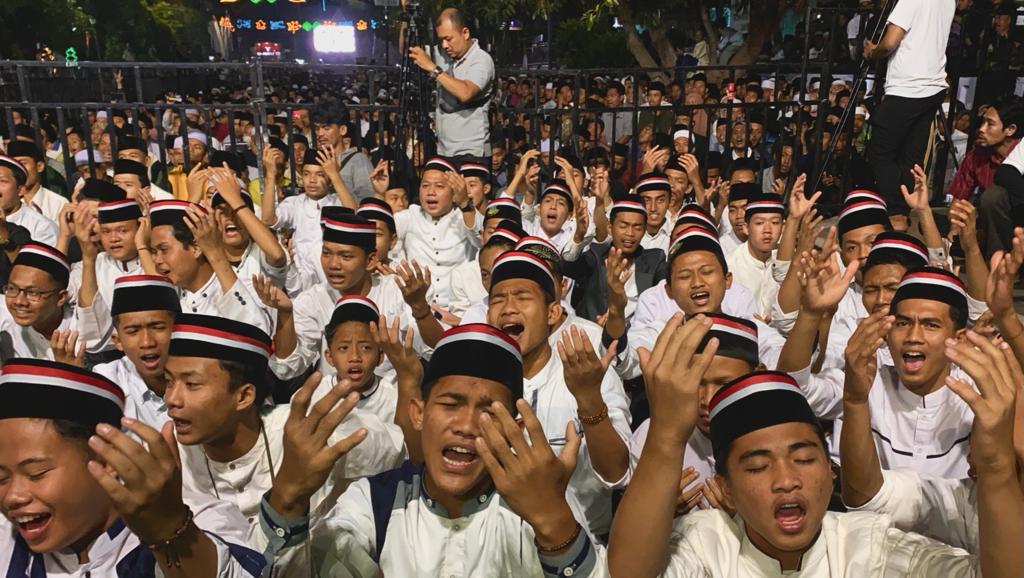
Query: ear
point(416, 413)
point(62, 297)
point(40, 167)
point(728, 280)
point(960, 334)
point(116, 339)
point(327, 356)
point(554, 313)
point(393, 241)
point(245, 397)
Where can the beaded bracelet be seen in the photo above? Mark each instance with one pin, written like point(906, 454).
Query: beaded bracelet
point(594, 419)
point(563, 545)
point(166, 547)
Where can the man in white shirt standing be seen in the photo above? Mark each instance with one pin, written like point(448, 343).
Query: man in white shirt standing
point(751, 263)
point(915, 86)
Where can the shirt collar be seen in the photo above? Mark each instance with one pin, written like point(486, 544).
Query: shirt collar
point(469, 507)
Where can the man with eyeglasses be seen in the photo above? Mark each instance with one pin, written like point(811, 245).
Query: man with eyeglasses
point(36, 303)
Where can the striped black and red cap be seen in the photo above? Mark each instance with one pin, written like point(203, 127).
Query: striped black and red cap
point(476, 350)
point(504, 208)
point(352, 308)
point(755, 401)
point(374, 209)
point(39, 388)
point(523, 265)
point(697, 238)
point(118, 211)
point(214, 337)
point(737, 337)
point(933, 284)
point(347, 229)
point(170, 212)
point(896, 246)
point(45, 258)
point(144, 293)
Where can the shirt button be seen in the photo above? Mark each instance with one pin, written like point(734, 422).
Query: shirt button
point(567, 572)
point(482, 499)
point(280, 534)
point(231, 467)
point(456, 527)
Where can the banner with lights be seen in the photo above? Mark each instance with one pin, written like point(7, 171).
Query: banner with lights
point(259, 1)
point(293, 26)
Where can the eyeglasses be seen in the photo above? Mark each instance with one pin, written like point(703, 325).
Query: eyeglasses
point(13, 291)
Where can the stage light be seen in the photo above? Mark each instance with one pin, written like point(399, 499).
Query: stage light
point(334, 38)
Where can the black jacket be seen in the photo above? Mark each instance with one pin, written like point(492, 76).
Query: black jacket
point(590, 297)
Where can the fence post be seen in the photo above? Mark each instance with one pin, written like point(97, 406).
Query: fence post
point(259, 109)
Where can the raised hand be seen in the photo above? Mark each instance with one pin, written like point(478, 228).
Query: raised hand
point(524, 162)
point(380, 178)
point(799, 205)
point(66, 348)
point(204, 231)
point(85, 223)
point(653, 158)
point(998, 378)
point(309, 454)
point(582, 214)
point(861, 358)
point(398, 349)
point(529, 476)
point(143, 482)
point(918, 199)
point(692, 166)
point(226, 183)
point(617, 272)
point(964, 218)
point(459, 191)
point(672, 373)
point(1002, 274)
point(414, 282)
point(271, 295)
point(822, 287)
point(142, 235)
point(271, 156)
point(583, 369)
point(326, 158)
point(807, 234)
point(690, 494)
point(196, 182)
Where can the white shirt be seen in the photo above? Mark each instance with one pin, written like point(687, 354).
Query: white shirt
point(928, 434)
point(95, 323)
point(854, 545)
point(940, 508)
point(254, 262)
point(487, 541)
point(301, 215)
point(755, 275)
point(41, 229)
point(917, 68)
point(654, 304)
point(141, 402)
point(380, 399)
point(219, 520)
point(238, 303)
point(564, 237)
point(467, 287)
point(697, 454)
point(589, 496)
point(439, 244)
point(18, 341)
point(47, 203)
point(244, 481)
point(660, 239)
point(313, 309)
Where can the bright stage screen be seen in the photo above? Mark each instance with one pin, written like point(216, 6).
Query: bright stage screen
point(334, 38)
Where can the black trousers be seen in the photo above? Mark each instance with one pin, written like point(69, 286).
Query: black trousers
point(899, 136)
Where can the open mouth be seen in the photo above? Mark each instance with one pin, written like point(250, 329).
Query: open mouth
point(355, 373)
point(458, 458)
point(790, 517)
point(150, 360)
point(913, 361)
point(32, 526)
point(182, 426)
point(514, 330)
point(700, 297)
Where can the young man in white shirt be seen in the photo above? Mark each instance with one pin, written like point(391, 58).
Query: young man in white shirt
point(751, 263)
point(83, 498)
point(467, 289)
point(348, 253)
point(915, 36)
point(35, 195)
point(557, 218)
point(440, 232)
point(187, 248)
point(36, 303)
point(133, 177)
point(464, 511)
point(775, 473)
point(381, 213)
point(142, 310)
point(655, 191)
point(733, 224)
point(471, 287)
point(13, 178)
point(918, 422)
point(236, 448)
point(570, 384)
point(92, 279)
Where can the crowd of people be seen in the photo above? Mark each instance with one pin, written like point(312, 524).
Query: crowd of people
point(630, 343)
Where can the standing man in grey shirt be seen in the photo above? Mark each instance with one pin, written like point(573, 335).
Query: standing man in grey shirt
point(330, 123)
point(465, 84)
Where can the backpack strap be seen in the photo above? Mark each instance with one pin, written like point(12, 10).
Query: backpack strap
point(383, 495)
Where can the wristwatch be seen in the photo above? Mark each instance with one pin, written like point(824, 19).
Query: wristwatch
point(437, 72)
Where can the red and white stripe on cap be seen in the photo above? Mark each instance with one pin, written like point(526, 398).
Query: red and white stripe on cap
point(172, 205)
point(531, 241)
point(357, 228)
point(629, 205)
point(521, 257)
point(692, 213)
point(439, 163)
point(47, 252)
point(900, 245)
point(57, 377)
point(357, 301)
point(474, 167)
point(762, 206)
point(505, 234)
point(504, 202)
point(117, 205)
point(729, 326)
point(865, 205)
point(132, 281)
point(552, 187)
point(757, 383)
point(681, 133)
point(480, 332)
point(14, 164)
point(946, 280)
point(220, 337)
point(372, 212)
point(653, 181)
point(692, 232)
point(863, 194)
